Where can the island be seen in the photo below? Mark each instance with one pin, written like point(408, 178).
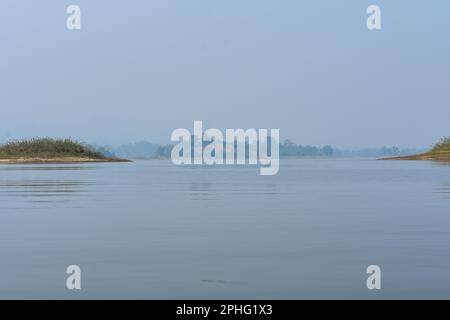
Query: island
point(48, 150)
point(439, 152)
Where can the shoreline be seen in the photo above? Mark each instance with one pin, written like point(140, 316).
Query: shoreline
point(435, 156)
point(58, 160)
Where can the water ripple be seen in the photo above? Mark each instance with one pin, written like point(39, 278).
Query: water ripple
point(42, 191)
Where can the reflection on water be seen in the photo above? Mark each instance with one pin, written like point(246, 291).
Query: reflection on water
point(150, 229)
point(43, 168)
point(441, 163)
point(224, 282)
point(204, 190)
point(201, 191)
point(444, 191)
point(37, 187)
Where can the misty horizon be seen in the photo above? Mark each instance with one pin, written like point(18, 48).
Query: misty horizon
point(168, 142)
point(309, 69)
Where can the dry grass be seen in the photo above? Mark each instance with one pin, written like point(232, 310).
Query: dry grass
point(47, 148)
point(442, 146)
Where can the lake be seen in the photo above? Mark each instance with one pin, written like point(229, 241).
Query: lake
point(150, 229)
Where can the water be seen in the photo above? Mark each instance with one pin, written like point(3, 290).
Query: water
point(150, 229)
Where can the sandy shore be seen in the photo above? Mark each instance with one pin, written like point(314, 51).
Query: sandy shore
point(60, 160)
point(441, 156)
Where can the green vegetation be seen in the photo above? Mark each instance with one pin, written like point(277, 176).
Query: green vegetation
point(443, 146)
point(46, 148)
point(439, 152)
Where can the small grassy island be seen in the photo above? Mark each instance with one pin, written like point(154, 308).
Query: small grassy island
point(439, 152)
point(47, 150)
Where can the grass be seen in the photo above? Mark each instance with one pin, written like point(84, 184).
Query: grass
point(439, 152)
point(47, 148)
point(443, 146)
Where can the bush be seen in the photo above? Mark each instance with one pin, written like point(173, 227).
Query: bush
point(47, 147)
point(442, 145)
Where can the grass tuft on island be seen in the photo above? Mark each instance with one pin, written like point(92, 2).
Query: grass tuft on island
point(48, 150)
point(439, 152)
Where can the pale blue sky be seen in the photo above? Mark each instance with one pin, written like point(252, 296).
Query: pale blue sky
point(139, 69)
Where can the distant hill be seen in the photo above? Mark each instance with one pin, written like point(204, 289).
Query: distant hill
point(137, 150)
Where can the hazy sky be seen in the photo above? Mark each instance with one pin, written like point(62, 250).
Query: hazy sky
point(140, 69)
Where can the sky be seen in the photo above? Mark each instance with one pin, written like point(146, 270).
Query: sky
point(137, 70)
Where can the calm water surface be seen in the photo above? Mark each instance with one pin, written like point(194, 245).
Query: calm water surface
point(150, 229)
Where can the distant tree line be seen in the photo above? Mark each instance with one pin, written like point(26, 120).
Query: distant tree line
point(290, 149)
point(148, 150)
point(287, 149)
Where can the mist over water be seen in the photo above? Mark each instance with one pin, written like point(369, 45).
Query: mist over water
point(150, 229)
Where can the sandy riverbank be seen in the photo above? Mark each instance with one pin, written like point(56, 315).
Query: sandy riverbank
point(430, 156)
